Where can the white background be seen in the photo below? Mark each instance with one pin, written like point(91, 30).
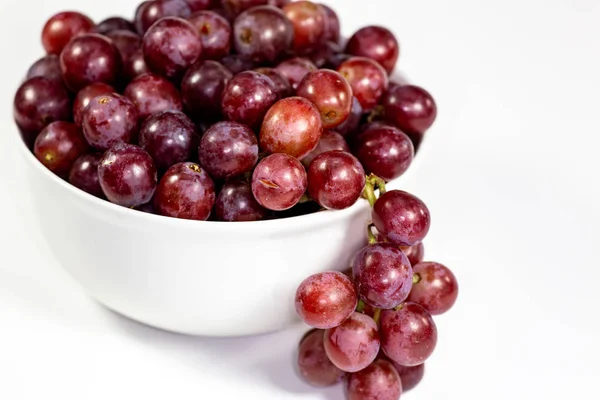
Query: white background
point(510, 176)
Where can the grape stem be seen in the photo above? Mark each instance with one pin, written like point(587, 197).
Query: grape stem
point(416, 279)
point(373, 182)
point(360, 307)
point(370, 234)
point(377, 315)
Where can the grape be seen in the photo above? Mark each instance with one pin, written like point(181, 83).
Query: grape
point(58, 146)
point(409, 335)
point(376, 43)
point(295, 69)
point(279, 3)
point(354, 344)
point(149, 13)
point(127, 175)
point(110, 119)
point(169, 137)
point(114, 24)
point(202, 89)
point(330, 140)
point(436, 288)
point(348, 127)
point(401, 217)
point(313, 363)
point(379, 381)
point(279, 182)
point(326, 300)
point(410, 376)
point(152, 93)
point(237, 63)
point(236, 7)
point(171, 46)
point(199, 5)
point(383, 275)
point(84, 174)
point(247, 98)
point(63, 27)
point(309, 21)
point(325, 55)
point(282, 85)
point(127, 43)
point(85, 95)
point(262, 33)
point(228, 149)
point(410, 108)
point(37, 103)
point(384, 151)
point(87, 59)
point(47, 67)
point(292, 126)
point(336, 180)
point(236, 202)
point(135, 66)
point(185, 191)
point(415, 254)
point(215, 34)
point(147, 208)
point(368, 80)
point(338, 59)
point(332, 24)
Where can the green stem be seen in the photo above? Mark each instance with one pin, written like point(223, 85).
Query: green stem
point(416, 279)
point(360, 307)
point(370, 234)
point(369, 193)
point(377, 316)
point(399, 307)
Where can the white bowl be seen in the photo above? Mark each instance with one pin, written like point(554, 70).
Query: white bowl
point(191, 277)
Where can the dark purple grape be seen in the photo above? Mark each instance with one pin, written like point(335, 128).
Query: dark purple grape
point(108, 120)
point(332, 24)
point(47, 67)
point(152, 93)
point(410, 108)
point(409, 335)
point(330, 140)
point(236, 7)
point(376, 43)
point(314, 365)
point(149, 13)
point(147, 208)
point(63, 27)
point(326, 300)
point(415, 254)
point(236, 202)
point(282, 85)
point(325, 55)
point(84, 174)
point(382, 275)
point(215, 34)
point(384, 151)
point(337, 59)
point(379, 381)
point(292, 126)
point(135, 66)
point(354, 344)
point(228, 149)
point(330, 93)
point(114, 24)
point(336, 180)
point(127, 42)
point(279, 3)
point(262, 33)
point(348, 127)
point(127, 175)
point(368, 80)
point(309, 21)
point(89, 58)
point(202, 89)
point(199, 5)
point(37, 103)
point(171, 46)
point(401, 217)
point(295, 69)
point(247, 98)
point(169, 137)
point(410, 376)
point(85, 95)
point(436, 288)
point(185, 191)
point(279, 182)
point(58, 146)
point(236, 63)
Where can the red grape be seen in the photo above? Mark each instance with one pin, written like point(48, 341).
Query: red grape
point(236, 7)
point(313, 363)
point(415, 254)
point(202, 89)
point(236, 202)
point(84, 174)
point(199, 5)
point(309, 21)
point(332, 24)
point(325, 55)
point(152, 93)
point(149, 13)
point(47, 67)
point(368, 80)
point(63, 27)
point(215, 34)
point(135, 66)
point(401, 217)
point(348, 127)
point(110, 119)
point(436, 288)
point(379, 381)
point(127, 43)
point(377, 43)
point(237, 63)
point(279, 182)
point(295, 69)
point(410, 376)
point(58, 146)
point(85, 95)
point(330, 140)
point(282, 85)
point(112, 24)
point(410, 108)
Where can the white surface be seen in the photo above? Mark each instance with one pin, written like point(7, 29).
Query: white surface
point(511, 182)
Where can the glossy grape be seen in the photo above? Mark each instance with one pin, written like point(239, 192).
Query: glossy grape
point(292, 126)
point(282, 85)
point(169, 137)
point(314, 365)
point(354, 344)
point(410, 108)
point(383, 275)
point(236, 202)
point(135, 66)
point(309, 21)
point(127, 175)
point(114, 24)
point(171, 46)
point(330, 93)
point(185, 191)
point(228, 149)
point(215, 34)
point(401, 217)
point(368, 80)
point(351, 124)
point(149, 13)
point(152, 93)
point(436, 288)
point(202, 89)
point(325, 55)
point(85, 95)
point(110, 119)
point(379, 381)
point(58, 146)
point(330, 140)
point(410, 376)
point(247, 98)
point(236, 7)
point(84, 174)
point(415, 254)
point(63, 27)
point(326, 300)
point(279, 182)
point(199, 5)
point(262, 33)
point(89, 58)
point(295, 69)
point(47, 67)
point(237, 63)
point(377, 43)
point(384, 151)
point(409, 335)
point(126, 42)
point(332, 24)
